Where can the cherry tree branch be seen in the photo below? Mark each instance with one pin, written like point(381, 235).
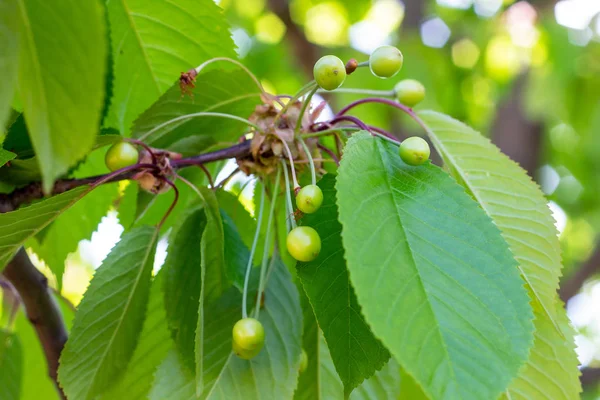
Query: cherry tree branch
point(589, 268)
point(33, 191)
point(41, 308)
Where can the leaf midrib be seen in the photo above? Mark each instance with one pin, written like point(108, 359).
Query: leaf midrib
point(442, 149)
point(125, 309)
point(391, 192)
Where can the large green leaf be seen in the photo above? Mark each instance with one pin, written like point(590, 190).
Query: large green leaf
point(519, 209)
point(436, 280)
point(20, 225)
point(356, 353)
point(152, 348)
point(153, 42)
point(62, 71)
point(236, 252)
point(183, 282)
point(273, 373)
point(11, 365)
point(110, 317)
point(216, 91)
point(9, 57)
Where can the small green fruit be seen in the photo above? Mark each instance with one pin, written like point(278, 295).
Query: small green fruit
point(329, 72)
point(121, 155)
point(386, 61)
point(303, 243)
point(409, 92)
point(248, 338)
point(414, 151)
point(309, 199)
point(303, 361)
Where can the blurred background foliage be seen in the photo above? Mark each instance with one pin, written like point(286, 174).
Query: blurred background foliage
point(524, 73)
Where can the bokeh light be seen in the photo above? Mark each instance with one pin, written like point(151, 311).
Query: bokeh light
point(435, 33)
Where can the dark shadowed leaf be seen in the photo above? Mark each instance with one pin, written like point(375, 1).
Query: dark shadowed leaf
point(356, 353)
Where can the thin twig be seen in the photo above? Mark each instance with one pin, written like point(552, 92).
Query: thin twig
point(331, 153)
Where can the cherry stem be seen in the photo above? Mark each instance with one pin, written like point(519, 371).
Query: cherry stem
point(382, 93)
point(288, 196)
point(227, 179)
point(304, 89)
point(145, 146)
point(305, 106)
point(199, 114)
point(259, 220)
point(289, 154)
point(239, 64)
point(331, 131)
point(173, 204)
point(331, 154)
point(392, 103)
point(348, 118)
point(265, 259)
point(208, 175)
point(119, 172)
point(313, 174)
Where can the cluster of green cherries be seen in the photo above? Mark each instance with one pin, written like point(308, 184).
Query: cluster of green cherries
point(303, 242)
point(385, 62)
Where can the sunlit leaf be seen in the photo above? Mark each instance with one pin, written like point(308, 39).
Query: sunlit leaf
point(110, 317)
point(62, 68)
point(436, 281)
point(519, 209)
point(356, 353)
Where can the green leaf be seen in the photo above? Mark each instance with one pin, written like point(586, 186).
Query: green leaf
point(410, 389)
point(110, 317)
point(273, 373)
point(151, 350)
point(356, 353)
point(519, 209)
point(172, 380)
point(11, 365)
point(217, 91)
point(432, 273)
point(183, 282)
point(9, 56)
point(26, 222)
point(6, 156)
point(153, 42)
point(62, 71)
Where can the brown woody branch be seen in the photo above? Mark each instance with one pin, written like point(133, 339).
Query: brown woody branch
point(41, 308)
point(33, 191)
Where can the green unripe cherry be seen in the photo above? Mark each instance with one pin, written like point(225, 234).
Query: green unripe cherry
point(248, 338)
point(309, 199)
point(409, 92)
point(303, 243)
point(386, 61)
point(414, 151)
point(303, 361)
point(121, 155)
point(329, 72)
